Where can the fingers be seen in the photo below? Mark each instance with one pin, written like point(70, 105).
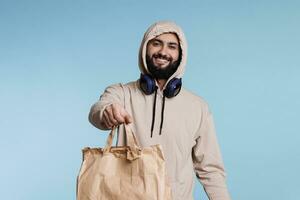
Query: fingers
point(116, 111)
point(110, 116)
point(106, 119)
point(114, 115)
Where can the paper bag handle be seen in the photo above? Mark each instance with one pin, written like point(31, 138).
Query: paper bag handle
point(131, 141)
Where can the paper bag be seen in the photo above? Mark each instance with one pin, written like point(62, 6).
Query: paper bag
point(123, 173)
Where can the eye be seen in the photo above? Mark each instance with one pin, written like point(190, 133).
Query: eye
point(173, 47)
point(155, 43)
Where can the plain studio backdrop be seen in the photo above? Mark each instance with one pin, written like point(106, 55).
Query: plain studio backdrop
point(57, 57)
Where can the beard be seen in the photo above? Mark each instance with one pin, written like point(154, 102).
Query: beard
point(162, 73)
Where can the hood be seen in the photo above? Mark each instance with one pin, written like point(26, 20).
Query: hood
point(157, 29)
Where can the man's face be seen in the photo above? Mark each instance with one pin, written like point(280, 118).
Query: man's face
point(163, 55)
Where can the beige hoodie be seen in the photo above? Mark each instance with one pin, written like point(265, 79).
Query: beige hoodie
point(188, 136)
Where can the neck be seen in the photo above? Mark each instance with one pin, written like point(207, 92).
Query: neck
point(161, 83)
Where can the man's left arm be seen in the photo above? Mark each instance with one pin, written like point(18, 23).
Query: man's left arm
point(207, 159)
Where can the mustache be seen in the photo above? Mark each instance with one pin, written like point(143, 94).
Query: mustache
point(158, 55)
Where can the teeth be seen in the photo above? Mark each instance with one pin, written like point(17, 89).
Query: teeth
point(161, 60)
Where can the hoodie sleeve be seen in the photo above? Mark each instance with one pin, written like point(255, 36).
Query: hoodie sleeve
point(112, 94)
point(207, 159)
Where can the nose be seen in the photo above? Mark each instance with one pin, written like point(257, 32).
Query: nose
point(163, 50)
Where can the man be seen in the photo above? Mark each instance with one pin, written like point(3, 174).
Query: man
point(162, 112)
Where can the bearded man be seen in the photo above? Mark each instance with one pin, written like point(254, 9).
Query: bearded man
point(185, 127)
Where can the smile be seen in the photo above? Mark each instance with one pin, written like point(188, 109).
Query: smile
point(160, 61)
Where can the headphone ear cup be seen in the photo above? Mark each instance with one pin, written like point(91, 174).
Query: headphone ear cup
point(147, 84)
point(173, 87)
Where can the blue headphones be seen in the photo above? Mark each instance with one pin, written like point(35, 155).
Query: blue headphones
point(147, 84)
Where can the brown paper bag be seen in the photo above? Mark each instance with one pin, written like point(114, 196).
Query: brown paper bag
point(123, 173)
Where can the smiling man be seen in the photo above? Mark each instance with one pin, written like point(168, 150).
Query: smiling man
point(185, 129)
point(163, 56)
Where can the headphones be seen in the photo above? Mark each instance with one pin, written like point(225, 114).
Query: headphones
point(147, 84)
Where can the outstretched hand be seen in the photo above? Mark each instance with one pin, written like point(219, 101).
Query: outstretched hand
point(114, 115)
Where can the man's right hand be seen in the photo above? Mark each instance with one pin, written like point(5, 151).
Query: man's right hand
point(114, 115)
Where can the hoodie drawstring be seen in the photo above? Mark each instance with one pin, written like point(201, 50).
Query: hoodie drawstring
point(162, 113)
point(153, 112)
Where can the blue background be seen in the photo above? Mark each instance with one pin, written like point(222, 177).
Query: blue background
point(56, 58)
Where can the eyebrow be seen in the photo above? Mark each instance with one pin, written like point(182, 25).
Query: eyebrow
point(171, 43)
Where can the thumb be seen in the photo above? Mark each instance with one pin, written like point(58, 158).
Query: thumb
point(128, 118)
